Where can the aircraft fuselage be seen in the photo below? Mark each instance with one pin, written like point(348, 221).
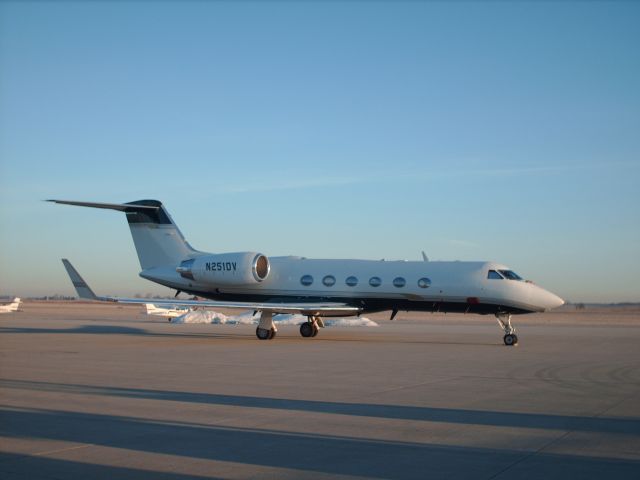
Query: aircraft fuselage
point(373, 285)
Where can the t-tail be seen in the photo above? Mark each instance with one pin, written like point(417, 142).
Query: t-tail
point(158, 241)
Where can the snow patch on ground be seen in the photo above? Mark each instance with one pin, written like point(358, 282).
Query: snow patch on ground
point(248, 318)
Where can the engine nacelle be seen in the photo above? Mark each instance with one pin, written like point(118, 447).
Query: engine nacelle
point(226, 269)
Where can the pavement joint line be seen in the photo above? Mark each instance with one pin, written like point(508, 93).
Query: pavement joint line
point(622, 400)
point(528, 455)
point(404, 387)
point(60, 450)
point(556, 440)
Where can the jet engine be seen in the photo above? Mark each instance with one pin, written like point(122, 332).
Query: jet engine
point(227, 269)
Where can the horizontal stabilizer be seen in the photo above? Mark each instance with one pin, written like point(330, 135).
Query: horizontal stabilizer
point(122, 207)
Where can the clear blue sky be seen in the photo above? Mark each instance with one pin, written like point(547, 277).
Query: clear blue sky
point(505, 131)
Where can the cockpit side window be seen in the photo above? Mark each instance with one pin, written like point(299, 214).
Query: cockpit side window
point(510, 275)
point(493, 275)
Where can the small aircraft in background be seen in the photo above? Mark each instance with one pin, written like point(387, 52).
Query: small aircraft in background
point(11, 307)
point(169, 312)
point(315, 288)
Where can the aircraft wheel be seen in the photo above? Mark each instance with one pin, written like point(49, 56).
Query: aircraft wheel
point(510, 339)
point(273, 333)
point(265, 333)
point(306, 329)
point(315, 331)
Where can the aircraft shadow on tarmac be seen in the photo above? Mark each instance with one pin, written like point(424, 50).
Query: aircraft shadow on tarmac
point(404, 412)
point(115, 330)
point(243, 333)
point(58, 468)
point(372, 458)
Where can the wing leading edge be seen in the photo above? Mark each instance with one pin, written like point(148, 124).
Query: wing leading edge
point(308, 309)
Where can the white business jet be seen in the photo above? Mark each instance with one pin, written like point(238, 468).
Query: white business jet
point(315, 288)
point(11, 307)
point(168, 312)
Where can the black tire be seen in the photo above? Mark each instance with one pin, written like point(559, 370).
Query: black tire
point(263, 333)
point(510, 339)
point(272, 335)
point(306, 329)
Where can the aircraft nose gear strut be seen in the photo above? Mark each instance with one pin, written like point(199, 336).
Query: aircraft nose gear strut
point(311, 326)
point(266, 328)
point(510, 337)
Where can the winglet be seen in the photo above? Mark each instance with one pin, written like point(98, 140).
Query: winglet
point(84, 291)
point(424, 256)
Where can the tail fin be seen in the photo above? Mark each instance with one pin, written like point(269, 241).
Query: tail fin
point(150, 308)
point(13, 306)
point(157, 239)
point(84, 291)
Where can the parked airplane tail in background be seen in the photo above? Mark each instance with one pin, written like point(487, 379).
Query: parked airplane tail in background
point(158, 240)
point(11, 307)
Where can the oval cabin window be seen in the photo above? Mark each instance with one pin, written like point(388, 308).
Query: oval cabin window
point(329, 281)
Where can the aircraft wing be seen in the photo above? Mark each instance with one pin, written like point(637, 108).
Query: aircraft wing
point(304, 308)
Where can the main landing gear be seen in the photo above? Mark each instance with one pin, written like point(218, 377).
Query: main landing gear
point(266, 328)
point(504, 320)
point(311, 327)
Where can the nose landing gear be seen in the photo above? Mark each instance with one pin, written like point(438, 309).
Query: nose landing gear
point(504, 320)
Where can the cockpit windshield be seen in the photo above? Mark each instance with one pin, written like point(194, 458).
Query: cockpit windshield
point(502, 274)
point(511, 275)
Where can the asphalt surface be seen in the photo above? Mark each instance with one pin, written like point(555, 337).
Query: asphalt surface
point(101, 391)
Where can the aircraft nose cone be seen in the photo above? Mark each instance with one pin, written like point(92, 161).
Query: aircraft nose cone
point(543, 299)
point(552, 301)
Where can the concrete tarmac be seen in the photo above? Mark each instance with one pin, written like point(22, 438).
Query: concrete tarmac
point(102, 391)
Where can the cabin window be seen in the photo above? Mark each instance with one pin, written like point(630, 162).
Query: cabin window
point(329, 281)
point(493, 275)
point(375, 281)
point(510, 275)
point(306, 280)
point(424, 282)
point(351, 281)
point(399, 282)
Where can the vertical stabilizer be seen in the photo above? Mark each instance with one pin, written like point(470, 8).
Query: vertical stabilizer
point(157, 239)
point(16, 303)
point(11, 307)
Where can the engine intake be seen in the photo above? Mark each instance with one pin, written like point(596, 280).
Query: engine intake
point(260, 267)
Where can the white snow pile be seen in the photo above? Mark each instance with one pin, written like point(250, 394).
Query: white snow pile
point(248, 318)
